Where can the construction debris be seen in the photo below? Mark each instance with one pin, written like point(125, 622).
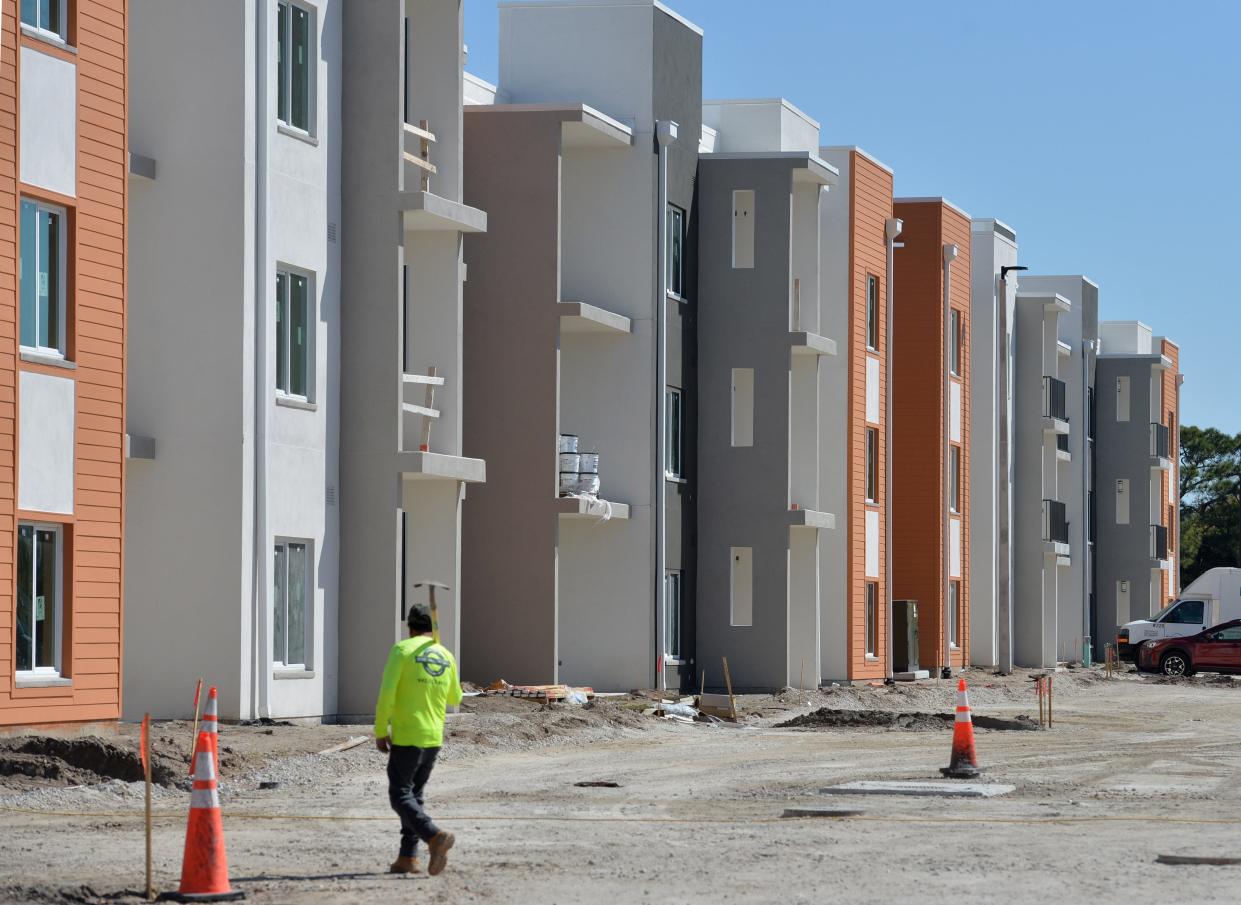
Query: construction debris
point(548, 694)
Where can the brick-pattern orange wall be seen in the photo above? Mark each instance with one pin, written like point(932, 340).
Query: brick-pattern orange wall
point(91, 655)
point(870, 206)
point(918, 487)
point(1169, 408)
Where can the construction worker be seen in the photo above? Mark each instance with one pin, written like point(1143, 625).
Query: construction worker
point(419, 683)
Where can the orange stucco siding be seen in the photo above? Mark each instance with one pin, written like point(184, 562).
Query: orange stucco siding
point(91, 648)
point(870, 206)
point(919, 542)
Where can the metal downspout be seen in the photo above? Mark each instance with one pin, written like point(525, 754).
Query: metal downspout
point(950, 255)
point(261, 675)
point(892, 228)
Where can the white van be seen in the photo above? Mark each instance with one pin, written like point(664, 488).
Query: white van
point(1214, 597)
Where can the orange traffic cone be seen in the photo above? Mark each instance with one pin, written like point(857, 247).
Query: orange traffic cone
point(211, 721)
point(964, 762)
point(204, 869)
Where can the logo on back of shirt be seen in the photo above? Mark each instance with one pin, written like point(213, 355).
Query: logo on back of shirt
point(434, 663)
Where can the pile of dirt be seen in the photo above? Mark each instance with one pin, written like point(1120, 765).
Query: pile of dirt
point(87, 759)
point(829, 718)
point(1209, 680)
point(515, 723)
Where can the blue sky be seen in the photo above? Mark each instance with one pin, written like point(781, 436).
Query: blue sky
point(1107, 134)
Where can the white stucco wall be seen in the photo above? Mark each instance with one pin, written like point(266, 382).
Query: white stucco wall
point(304, 197)
point(833, 401)
point(48, 122)
point(544, 59)
point(45, 444)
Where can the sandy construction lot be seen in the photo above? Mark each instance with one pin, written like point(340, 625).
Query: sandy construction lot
point(1134, 768)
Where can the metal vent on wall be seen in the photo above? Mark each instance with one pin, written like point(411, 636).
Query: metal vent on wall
point(331, 232)
point(331, 495)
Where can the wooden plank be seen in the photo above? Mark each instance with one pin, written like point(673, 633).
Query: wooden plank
point(419, 162)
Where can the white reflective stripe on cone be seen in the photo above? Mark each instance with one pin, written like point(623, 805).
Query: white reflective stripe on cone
point(963, 716)
point(204, 766)
point(204, 798)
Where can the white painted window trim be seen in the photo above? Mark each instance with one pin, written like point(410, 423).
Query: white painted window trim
point(674, 452)
point(283, 396)
point(677, 238)
point(956, 357)
point(39, 673)
point(872, 465)
point(61, 37)
point(280, 668)
point(284, 90)
point(870, 619)
point(872, 312)
point(674, 657)
point(62, 302)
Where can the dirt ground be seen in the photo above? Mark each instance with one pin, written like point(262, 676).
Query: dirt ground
point(1135, 767)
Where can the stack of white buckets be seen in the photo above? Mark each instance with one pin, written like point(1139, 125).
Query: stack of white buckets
point(579, 471)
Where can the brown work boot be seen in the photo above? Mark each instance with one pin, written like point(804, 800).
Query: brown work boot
point(439, 845)
point(404, 865)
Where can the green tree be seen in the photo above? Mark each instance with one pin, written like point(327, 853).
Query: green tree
point(1210, 500)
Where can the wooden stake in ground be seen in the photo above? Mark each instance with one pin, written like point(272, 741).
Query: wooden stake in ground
point(144, 746)
point(198, 693)
point(1049, 684)
point(728, 680)
point(435, 611)
point(702, 687)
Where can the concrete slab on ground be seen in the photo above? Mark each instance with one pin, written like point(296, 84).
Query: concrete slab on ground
point(924, 789)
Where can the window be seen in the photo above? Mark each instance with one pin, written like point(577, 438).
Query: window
point(1190, 612)
point(872, 312)
point(676, 240)
point(290, 604)
point(954, 614)
point(872, 464)
point(293, 334)
point(43, 277)
point(741, 585)
point(1228, 634)
point(672, 615)
point(743, 230)
point(872, 618)
point(954, 478)
point(743, 407)
point(293, 49)
point(46, 15)
point(673, 424)
point(39, 600)
point(957, 343)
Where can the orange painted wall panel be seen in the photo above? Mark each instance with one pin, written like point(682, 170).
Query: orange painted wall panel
point(918, 538)
point(1169, 414)
point(870, 205)
point(91, 654)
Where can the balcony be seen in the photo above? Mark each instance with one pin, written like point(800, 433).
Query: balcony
point(1055, 528)
point(1161, 446)
point(1055, 406)
point(1159, 547)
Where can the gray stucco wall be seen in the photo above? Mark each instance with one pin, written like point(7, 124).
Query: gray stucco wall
point(371, 347)
point(1032, 570)
point(677, 96)
point(511, 364)
point(743, 323)
point(188, 359)
point(1123, 452)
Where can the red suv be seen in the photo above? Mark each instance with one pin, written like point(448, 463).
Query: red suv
point(1218, 649)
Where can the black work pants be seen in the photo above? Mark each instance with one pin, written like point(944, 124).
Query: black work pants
point(409, 769)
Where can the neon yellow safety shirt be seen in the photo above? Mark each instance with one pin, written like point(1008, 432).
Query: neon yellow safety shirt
point(419, 681)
